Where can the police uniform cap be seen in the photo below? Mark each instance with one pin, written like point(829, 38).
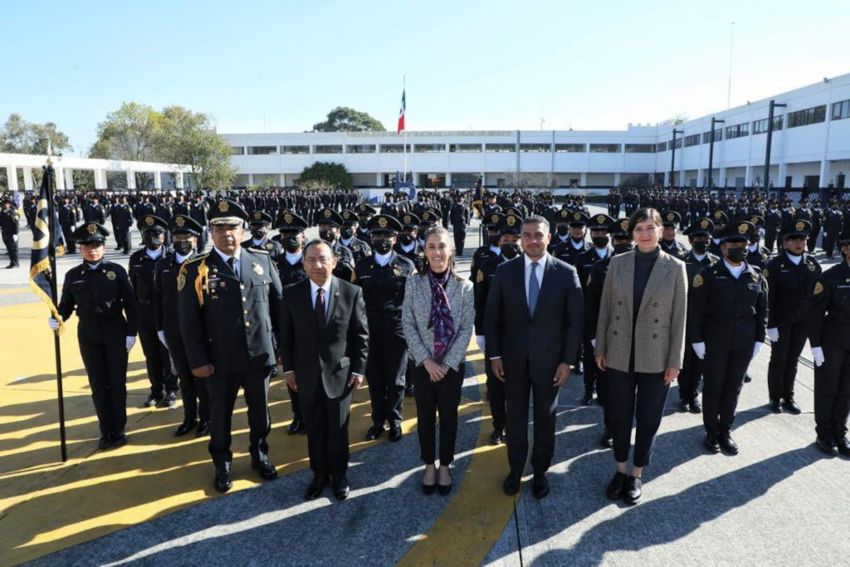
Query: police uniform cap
point(152, 223)
point(796, 228)
point(494, 220)
point(620, 228)
point(260, 217)
point(327, 216)
point(227, 212)
point(740, 231)
point(671, 218)
point(90, 233)
point(702, 226)
point(184, 224)
point(349, 217)
point(577, 218)
point(510, 224)
point(601, 222)
point(366, 209)
point(410, 220)
point(384, 224)
point(290, 221)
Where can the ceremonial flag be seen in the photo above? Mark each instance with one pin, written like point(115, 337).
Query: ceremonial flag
point(401, 113)
point(42, 280)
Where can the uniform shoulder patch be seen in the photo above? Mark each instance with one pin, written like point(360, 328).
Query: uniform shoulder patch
point(197, 258)
point(480, 277)
point(818, 288)
point(181, 281)
point(698, 281)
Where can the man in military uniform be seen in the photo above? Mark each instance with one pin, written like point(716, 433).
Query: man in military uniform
point(68, 219)
point(9, 228)
point(143, 265)
point(576, 245)
point(791, 278)
point(508, 228)
point(364, 213)
point(829, 336)
point(670, 221)
point(757, 255)
point(408, 244)
point(122, 220)
point(832, 227)
point(690, 376)
point(772, 222)
point(359, 248)
point(196, 403)
point(727, 317)
point(329, 222)
point(382, 277)
point(101, 294)
point(94, 211)
point(228, 302)
point(259, 224)
point(560, 227)
point(490, 248)
point(459, 218)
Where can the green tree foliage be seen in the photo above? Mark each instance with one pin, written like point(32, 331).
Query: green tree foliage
point(345, 119)
point(325, 175)
point(21, 137)
point(128, 133)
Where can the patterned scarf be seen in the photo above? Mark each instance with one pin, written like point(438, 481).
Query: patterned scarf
point(441, 320)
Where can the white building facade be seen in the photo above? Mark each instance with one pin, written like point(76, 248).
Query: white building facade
point(810, 148)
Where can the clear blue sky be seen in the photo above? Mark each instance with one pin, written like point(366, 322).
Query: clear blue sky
point(280, 66)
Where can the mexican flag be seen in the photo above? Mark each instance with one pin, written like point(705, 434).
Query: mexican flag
point(401, 113)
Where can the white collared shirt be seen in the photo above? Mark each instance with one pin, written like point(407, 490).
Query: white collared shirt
point(577, 245)
point(699, 257)
point(225, 258)
point(753, 247)
point(795, 259)
point(539, 273)
point(154, 254)
point(495, 249)
point(736, 271)
point(180, 259)
point(408, 247)
point(314, 292)
point(601, 252)
point(382, 259)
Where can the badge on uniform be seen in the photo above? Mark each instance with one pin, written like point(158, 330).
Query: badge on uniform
point(257, 269)
point(811, 267)
point(818, 288)
point(181, 282)
point(269, 246)
point(698, 280)
point(110, 275)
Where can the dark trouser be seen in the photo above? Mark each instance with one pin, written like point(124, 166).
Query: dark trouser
point(723, 372)
point(496, 397)
point(385, 369)
point(222, 390)
point(70, 245)
point(156, 355)
point(11, 247)
point(690, 375)
point(191, 391)
point(832, 393)
point(769, 239)
point(783, 360)
point(812, 241)
point(122, 236)
point(104, 354)
point(327, 432)
point(591, 371)
point(442, 396)
point(460, 239)
point(518, 390)
point(410, 374)
point(829, 244)
point(295, 402)
point(640, 397)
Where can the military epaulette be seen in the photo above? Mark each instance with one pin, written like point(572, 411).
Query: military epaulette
point(194, 259)
point(259, 251)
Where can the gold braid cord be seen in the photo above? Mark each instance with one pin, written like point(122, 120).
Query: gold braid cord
point(201, 281)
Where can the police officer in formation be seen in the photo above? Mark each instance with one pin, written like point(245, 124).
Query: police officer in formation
point(670, 221)
point(9, 219)
point(259, 225)
point(359, 248)
point(329, 222)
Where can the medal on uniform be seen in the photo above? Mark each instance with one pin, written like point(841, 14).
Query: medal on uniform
point(257, 269)
point(110, 275)
point(818, 288)
point(181, 281)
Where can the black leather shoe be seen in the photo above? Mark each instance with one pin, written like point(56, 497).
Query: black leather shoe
point(222, 480)
point(775, 406)
point(696, 406)
point(512, 482)
point(429, 488)
point(607, 439)
point(540, 486)
point(587, 399)
point(341, 488)
point(827, 446)
point(409, 392)
point(712, 444)
point(727, 444)
point(374, 432)
point(185, 428)
point(617, 487)
point(395, 434)
point(444, 489)
point(684, 406)
point(747, 379)
point(151, 401)
point(264, 468)
point(791, 407)
point(316, 486)
point(297, 426)
point(203, 429)
point(497, 437)
point(842, 445)
point(118, 440)
point(103, 443)
point(633, 490)
point(170, 400)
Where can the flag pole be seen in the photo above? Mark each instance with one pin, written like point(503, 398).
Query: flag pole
point(404, 144)
point(51, 254)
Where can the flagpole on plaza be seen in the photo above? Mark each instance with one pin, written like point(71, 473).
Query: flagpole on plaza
point(404, 109)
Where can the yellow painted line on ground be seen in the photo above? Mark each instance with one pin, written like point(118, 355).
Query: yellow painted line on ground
point(475, 518)
point(18, 290)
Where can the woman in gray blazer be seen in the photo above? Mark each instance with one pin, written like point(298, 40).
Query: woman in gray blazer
point(640, 340)
point(438, 315)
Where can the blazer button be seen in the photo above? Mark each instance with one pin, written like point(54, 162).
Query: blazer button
point(247, 323)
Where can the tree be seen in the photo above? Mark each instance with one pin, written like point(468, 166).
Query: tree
point(345, 119)
point(128, 133)
point(325, 175)
point(21, 137)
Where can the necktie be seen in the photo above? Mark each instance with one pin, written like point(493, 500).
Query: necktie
point(320, 307)
point(533, 288)
point(232, 263)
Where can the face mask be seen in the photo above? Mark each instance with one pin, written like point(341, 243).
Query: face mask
point(258, 233)
point(291, 244)
point(183, 247)
point(700, 247)
point(347, 233)
point(622, 248)
point(327, 235)
point(736, 255)
point(600, 241)
point(562, 230)
point(153, 241)
point(510, 250)
point(494, 240)
point(382, 246)
point(406, 239)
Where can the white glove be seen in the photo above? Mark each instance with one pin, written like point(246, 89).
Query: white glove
point(130, 342)
point(54, 324)
point(757, 348)
point(817, 355)
point(593, 343)
point(14, 237)
point(161, 336)
point(773, 334)
point(699, 350)
point(479, 340)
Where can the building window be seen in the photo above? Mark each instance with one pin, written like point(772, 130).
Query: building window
point(760, 126)
point(737, 131)
point(327, 149)
point(501, 147)
point(692, 140)
point(237, 150)
point(429, 148)
point(677, 143)
point(814, 115)
point(661, 147)
point(571, 148)
point(393, 148)
point(718, 136)
point(535, 148)
point(640, 148)
point(261, 150)
point(360, 149)
point(604, 148)
point(465, 148)
point(295, 149)
point(841, 110)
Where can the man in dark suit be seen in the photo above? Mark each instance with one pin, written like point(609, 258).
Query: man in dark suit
point(531, 344)
point(228, 302)
point(324, 339)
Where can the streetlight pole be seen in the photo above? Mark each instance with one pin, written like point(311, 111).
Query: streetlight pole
point(714, 122)
point(673, 157)
point(773, 105)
